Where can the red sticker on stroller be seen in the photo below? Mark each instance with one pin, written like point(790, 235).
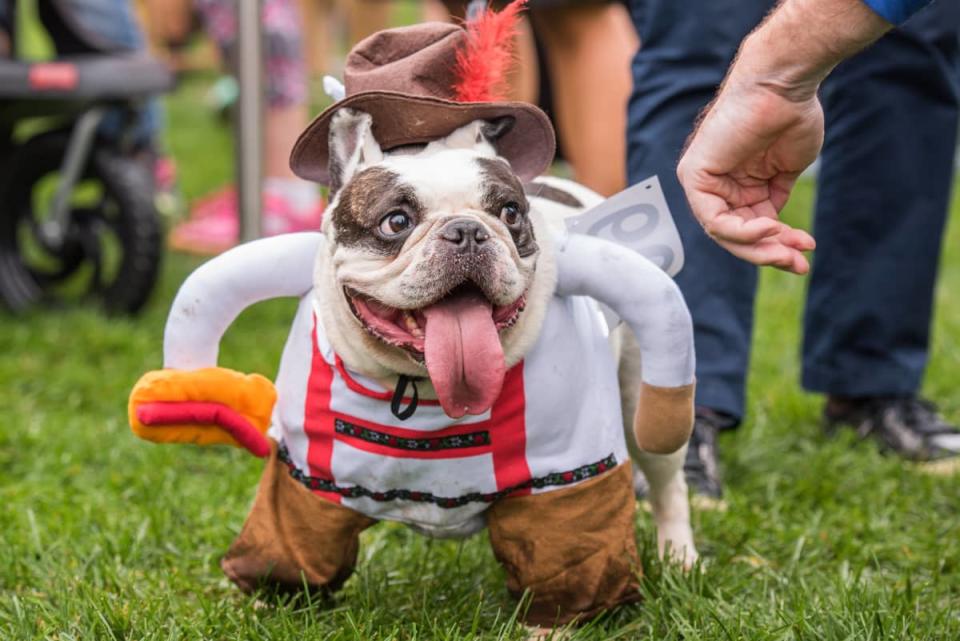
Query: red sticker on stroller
point(53, 76)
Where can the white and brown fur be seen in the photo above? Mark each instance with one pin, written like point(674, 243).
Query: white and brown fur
point(461, 176)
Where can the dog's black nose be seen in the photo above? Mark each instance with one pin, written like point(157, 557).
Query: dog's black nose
point(465, 233)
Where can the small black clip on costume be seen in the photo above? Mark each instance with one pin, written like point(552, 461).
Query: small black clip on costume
point(399, 393)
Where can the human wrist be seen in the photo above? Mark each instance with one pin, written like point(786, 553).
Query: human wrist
point(801, 42)
point(761, 68)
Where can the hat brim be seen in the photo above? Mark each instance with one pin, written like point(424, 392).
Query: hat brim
point(401, 119)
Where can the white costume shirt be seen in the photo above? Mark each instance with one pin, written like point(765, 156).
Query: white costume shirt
point(557, 421)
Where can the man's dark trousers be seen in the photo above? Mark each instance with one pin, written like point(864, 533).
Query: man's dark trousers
point(883, 194)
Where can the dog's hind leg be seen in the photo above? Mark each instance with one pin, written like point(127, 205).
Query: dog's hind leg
point(669, 501)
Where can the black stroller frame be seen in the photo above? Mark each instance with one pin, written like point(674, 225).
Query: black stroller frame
point(43, 254)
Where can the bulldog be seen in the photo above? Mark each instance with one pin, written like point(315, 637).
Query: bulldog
point(445, 369)
point(441, 266)
point(448, 366)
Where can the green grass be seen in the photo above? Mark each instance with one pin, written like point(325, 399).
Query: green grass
point(103, 536)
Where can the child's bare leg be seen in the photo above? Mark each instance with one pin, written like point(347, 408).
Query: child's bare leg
point(588, 49)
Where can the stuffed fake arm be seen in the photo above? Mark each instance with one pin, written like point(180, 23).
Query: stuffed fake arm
point(648, 300)
point(192, 400)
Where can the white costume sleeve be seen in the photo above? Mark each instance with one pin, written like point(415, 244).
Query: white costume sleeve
point(644, 296)
point(214, 295)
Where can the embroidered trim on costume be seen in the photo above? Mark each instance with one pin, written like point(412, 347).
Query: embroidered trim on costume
point(458, 441)
point(569, 477)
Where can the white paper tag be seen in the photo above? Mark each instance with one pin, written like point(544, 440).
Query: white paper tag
point(637, 218)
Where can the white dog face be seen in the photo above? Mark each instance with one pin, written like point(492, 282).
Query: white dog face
point(434, 252)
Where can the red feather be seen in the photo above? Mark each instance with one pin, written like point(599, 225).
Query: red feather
point(483, 62)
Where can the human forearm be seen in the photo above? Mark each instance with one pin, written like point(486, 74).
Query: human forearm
point(801, 41)
point(766, 125)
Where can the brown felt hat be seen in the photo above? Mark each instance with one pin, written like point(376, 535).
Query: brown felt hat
point(405, 79)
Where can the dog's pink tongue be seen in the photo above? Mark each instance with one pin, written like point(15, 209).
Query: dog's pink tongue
point(463, 353)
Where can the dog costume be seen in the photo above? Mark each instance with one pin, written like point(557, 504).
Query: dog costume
point(545, 469)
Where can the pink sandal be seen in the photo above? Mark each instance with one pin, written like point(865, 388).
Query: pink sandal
point(214, 226)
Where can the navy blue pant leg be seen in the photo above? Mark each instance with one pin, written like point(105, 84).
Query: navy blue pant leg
point(883, 196)
point(685, 49)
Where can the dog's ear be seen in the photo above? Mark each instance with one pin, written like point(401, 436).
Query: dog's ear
point(352, 146)
point(493, 130)
point(481, 135)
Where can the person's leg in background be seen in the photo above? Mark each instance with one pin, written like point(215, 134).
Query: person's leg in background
point(365, 17)
point(111, 26)
point(287, 112)
point(289, 203)
point(329, 25)
point(685, 49)
point(884, 191)
point(588, 47)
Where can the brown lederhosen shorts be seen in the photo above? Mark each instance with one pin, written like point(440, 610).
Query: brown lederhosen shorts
point(573, 548)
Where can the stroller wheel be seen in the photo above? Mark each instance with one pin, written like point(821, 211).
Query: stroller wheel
point(112, 245)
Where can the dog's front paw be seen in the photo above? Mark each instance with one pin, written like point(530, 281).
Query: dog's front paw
point(675, 544)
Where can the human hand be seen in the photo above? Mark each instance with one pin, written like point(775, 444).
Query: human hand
point(741, 164)
point(766, 126)
point(204, 406)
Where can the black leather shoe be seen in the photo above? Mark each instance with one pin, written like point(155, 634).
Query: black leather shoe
point(700, 467)
point(908, 426)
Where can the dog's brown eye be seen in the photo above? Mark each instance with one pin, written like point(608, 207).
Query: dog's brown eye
point(511, 214)
point(395, 223)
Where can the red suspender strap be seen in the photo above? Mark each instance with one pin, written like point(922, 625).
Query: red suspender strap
point(507, 428)
point(509, 433)
point(355, 386)
point(317, 420)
